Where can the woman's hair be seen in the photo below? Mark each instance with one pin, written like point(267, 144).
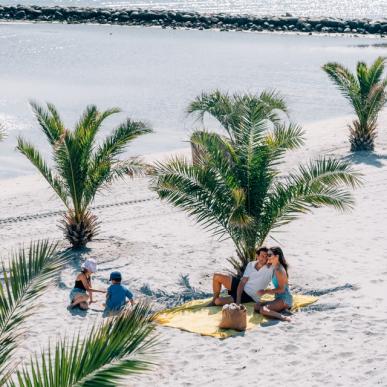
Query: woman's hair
point(278, 251)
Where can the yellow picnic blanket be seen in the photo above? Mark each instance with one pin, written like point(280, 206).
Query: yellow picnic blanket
point(196, 317)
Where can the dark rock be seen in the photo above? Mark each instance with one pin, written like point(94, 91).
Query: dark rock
point(332, 23)
point(187, 19)
point(58, 16)
point(373, 27)
point(20, 14)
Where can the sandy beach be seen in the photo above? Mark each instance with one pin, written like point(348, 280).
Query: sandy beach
point(341, 258)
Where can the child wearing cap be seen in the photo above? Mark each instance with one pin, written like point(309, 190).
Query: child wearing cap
point(117, 294)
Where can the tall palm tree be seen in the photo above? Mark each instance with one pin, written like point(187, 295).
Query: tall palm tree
point(23, 280)
point(238, 189)
point(366, 92)
point(120, 346)
point(81, 166)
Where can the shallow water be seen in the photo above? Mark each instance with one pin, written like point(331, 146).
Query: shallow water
point(373, 9)
point(152, 74)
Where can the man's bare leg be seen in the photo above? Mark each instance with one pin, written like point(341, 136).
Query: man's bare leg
point(219, 280)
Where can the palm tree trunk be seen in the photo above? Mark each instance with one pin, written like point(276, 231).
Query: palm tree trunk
point(79, 229)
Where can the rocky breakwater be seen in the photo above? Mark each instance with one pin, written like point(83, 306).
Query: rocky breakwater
point(192, 20)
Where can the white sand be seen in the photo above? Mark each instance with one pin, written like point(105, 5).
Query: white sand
point(340, 341)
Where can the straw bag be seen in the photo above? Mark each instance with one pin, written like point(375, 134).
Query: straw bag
point(234, 317)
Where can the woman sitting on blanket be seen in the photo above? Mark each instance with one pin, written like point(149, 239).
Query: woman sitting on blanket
point(257, 276)
point(82, 293)
point(283, 299)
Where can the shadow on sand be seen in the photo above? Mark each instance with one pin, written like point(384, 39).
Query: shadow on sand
point(172, 299)
point(368, 158)
point(323, 292)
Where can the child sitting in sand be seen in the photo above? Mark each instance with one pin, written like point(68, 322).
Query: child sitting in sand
point(82, 293)
point(117, 294)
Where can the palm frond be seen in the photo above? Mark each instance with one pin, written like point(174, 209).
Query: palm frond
point(326, 171)
point(346, 82)
point(89, 124)
point(197, 190)
point(320, 183)
point(36, 159)
point(49, 121)
point(24, 279)
point(285, 137)
point(104, 167)
point(121, 346)
point(273, 101)
point(375, 72)
point(115, 144)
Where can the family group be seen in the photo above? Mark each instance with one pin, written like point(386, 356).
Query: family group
point(81, 296)
point(270, 266)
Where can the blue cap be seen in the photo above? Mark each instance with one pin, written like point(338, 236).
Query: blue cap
point(115, 275)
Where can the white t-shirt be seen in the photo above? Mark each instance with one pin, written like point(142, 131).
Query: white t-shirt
point(258, 279)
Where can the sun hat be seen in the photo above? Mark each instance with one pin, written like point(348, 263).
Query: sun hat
point(90, 265)
point(115, 276)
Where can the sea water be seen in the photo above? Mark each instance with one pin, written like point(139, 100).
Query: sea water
point(152, 74)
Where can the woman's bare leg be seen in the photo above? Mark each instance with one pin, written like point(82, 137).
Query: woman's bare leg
point(272, 309)
point(259, 305)
point(83, 305)
point(77, 300)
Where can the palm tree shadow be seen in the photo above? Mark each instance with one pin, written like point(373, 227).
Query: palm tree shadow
point(78, 256)
point(367, 158)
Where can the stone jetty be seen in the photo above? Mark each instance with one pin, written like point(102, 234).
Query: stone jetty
point(192, 20)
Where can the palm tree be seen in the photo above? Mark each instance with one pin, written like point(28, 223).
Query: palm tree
point(238, 189)
point(81, 167)
point(120, 346)
point(23, 280)
point(366, 92)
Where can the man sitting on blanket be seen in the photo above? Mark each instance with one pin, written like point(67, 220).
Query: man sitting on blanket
point(257, 276)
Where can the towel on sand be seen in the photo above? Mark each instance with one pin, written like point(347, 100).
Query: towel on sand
point(195, 316)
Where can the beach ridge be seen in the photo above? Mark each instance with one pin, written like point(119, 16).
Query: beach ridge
point(192, 20)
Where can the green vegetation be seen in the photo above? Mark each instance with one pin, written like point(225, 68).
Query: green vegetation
point(120, 346)
point(81, 167)
point(25, 277)
point(237, 188)
point(366, 92)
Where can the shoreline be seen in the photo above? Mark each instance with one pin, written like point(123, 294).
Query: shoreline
point(194, 20)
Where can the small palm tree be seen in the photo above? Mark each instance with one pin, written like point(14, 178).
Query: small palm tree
point(366, 92)
point(81, 167)
point(28, 273)
point(237, 189)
